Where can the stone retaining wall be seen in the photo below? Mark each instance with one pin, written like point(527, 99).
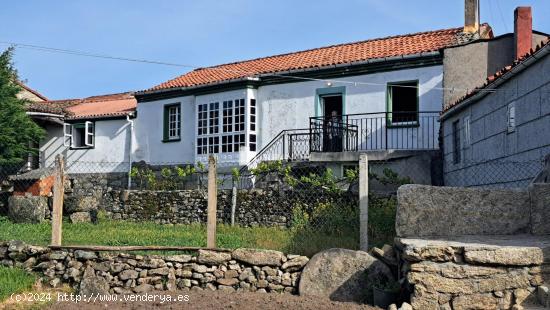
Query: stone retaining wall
point(465, 248)
point(475, 273)
point(254, 207)
point(108, 273)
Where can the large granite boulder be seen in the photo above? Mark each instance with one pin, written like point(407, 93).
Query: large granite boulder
point(342, 275)
point(27, 209)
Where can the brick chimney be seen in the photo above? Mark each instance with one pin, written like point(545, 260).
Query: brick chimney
point(471, 16)
point(523, 31)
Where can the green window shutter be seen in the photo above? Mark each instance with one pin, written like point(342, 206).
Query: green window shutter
point(165, 125)
point(389, 102)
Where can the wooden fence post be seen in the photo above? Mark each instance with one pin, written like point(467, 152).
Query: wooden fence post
point(233, 202)
point(212, 203)
point(363, 202)
point(58, 192)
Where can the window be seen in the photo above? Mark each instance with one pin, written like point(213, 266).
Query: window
point(202, 146)
point(403, 103)
point(252, 114)
point(227, 144)
point(238, 141)
point(456, 142)
point(79, 135)
point(227, 116)
point(214, 118)
point(467, 134)
point(511, 117)
point(213, 145)
point(252, 142)
point(172, 122)
point(202, 117)
point(239, 115)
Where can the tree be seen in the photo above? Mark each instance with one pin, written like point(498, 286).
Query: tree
point(17, 129)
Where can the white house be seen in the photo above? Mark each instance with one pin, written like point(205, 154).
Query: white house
point(378, 94)
point(94, 134)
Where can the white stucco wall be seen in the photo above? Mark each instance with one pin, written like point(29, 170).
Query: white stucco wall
point(289, 106)
point(149, 133)
point(279, 107)
point(110, 151)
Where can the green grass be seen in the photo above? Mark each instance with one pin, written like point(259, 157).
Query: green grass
point(120, 233)
point(13, 280)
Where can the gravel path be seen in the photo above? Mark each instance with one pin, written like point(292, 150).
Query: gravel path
point(218, 300)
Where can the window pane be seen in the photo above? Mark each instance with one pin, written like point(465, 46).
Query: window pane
point(404, 101)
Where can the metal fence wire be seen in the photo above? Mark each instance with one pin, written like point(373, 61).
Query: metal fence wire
point(317, 201)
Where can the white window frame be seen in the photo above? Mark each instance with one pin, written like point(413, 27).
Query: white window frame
point(467, 132)
point(67, 134)
point(89, 135)
point(175, 112)
point(89, 130)
point(511, 117)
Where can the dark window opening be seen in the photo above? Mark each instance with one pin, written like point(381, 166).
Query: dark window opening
point(252, 143)
point(403, 102)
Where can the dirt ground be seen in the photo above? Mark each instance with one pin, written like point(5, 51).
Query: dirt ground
point(217, 300)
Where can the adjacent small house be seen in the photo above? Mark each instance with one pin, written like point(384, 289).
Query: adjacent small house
point(497, 134)
point(94, 134)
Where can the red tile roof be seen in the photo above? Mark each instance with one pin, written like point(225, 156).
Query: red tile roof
point(88, 108)
point(409, 44)
point(493, 78)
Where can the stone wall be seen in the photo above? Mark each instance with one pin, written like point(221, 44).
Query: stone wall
point(475, 273)
point(463, 248)
point(425, 211)
point(255, 207)
point(108, 273)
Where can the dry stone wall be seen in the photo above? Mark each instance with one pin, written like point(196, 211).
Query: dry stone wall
point(108, 273)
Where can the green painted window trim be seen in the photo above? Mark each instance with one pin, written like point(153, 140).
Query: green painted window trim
point(389, 109)
point(165, 138)
point(320, 92)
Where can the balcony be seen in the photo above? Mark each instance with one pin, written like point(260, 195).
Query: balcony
point(354, 133)
point(375, 131)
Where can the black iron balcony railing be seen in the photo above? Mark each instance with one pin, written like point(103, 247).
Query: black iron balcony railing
point(332, 135)
point(375, 131)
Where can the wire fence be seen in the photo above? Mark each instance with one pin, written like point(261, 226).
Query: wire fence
point(317, 202)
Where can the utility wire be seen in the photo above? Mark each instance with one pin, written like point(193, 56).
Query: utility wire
point(502, 16)
point(252, 74)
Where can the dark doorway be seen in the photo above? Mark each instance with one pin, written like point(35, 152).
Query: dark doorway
point(332, 106)
point(333, 125)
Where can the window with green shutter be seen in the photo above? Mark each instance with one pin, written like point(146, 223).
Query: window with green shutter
point(172, 123)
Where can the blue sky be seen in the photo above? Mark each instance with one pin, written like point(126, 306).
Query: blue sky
point(208, 32)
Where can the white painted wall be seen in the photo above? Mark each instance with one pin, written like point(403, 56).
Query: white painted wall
point(149, 133)
point(110, 152)
point(279, 107)
point(289, 106)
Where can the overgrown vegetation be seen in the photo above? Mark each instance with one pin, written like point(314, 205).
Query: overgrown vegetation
point(14, 280)
point(168, 177)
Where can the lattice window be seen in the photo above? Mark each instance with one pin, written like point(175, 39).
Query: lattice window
point(202, 124)
point(239, 115)
point(252, 114)
point(238, 141)
point(227, 144)
point(214, 118)
point(227, 125)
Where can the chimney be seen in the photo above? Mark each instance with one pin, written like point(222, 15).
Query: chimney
point(523, 31)
point(471, 16)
